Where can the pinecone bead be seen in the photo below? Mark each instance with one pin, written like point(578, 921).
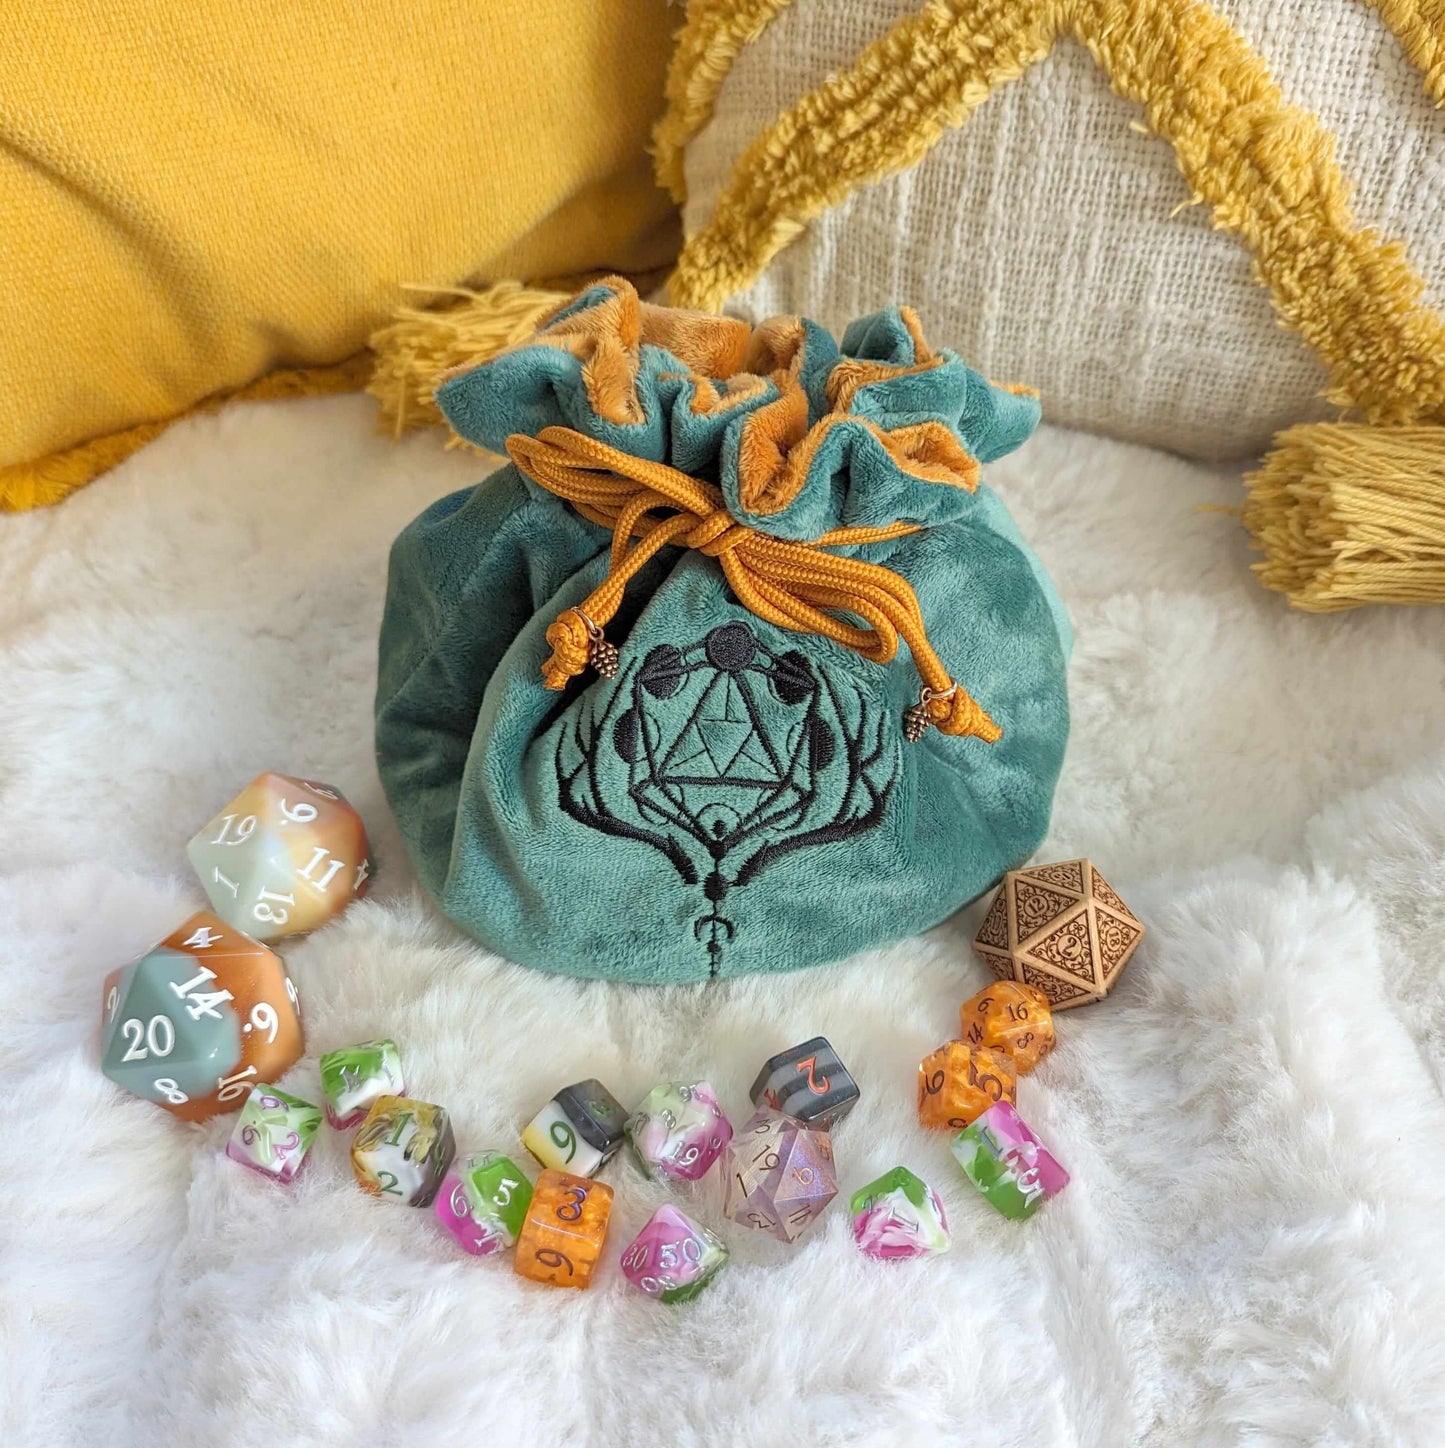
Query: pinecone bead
point(915, 723)
point(603, 656)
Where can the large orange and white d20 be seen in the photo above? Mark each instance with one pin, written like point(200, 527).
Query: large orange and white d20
point(199, 1019)
point(284, 857)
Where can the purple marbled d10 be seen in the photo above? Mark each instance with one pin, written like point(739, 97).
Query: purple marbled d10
point(779, 1175)
point(673, 1258)
point(678, 1131)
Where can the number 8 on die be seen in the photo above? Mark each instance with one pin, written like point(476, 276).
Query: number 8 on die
point(199, 1019)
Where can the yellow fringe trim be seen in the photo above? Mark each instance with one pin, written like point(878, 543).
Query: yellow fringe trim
point(706, 46)
point(1266, 168)
point(1419, 25)
point(875, 119)
point(1352, 514)
point(48, 480)
point(413, 352)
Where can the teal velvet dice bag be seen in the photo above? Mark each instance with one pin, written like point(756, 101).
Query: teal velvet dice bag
point(656, 701)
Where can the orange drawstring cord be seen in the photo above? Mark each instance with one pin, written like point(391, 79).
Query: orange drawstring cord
point(787, 584)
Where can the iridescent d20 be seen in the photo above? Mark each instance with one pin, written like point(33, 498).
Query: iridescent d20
point(678, 1131)
point(779, 1175)
point(1008, 1163)
point(898, 1216)
point(274, 1133)
point(578, 1130)
point(284, 857)
point(483, 1202)
point(809, 1083)
point(199, 1019)
point(354, 1077)
point(673, 1258)
point(403, 1150)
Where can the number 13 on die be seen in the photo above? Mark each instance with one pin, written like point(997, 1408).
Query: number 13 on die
point(283, 857)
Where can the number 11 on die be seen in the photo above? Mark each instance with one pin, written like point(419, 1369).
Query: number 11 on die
point(282, 858)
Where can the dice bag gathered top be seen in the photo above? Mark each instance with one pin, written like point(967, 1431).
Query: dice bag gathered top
point(642, 710)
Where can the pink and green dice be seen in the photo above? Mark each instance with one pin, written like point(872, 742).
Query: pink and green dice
point(673, 1258)
point(897, 1217)
point(285, 856)
point(578, 1131)
point(274, 1132)
point(355, 1077)
point(779, 1175)
point(678, 1131)
point(808, 1082)
point(483, 1202)
point(1008, 1163)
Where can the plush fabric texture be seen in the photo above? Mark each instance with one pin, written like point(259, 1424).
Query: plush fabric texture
point(196, 194)
point(1109, 266)
point(734, 772)
point(1251, 1249)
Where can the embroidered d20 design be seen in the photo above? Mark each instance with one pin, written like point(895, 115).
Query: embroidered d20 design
point(1059, 927)
point(727, 757)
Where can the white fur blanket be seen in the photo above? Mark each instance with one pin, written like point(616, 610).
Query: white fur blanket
point(1253, 1246)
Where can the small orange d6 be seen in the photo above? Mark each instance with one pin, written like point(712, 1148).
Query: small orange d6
point(1014, 1018)
point(566, 1225)
point(957, 1083)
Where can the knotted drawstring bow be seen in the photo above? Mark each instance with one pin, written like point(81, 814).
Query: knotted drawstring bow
point(787, 584)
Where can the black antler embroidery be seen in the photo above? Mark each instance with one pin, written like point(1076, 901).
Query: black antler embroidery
point(728, 748)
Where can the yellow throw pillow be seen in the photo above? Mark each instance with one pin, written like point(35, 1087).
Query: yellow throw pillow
point(193, 195)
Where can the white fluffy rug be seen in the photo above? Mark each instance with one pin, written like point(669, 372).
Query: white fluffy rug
point(1253, 1247)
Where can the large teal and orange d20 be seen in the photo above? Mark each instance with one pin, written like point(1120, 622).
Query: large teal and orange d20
point(199, 1019)
point(284, 857)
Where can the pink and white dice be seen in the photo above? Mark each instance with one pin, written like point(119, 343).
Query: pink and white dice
point(678, 1131)
point(673, 1258)
point(273, 1133)
point(897, 1217)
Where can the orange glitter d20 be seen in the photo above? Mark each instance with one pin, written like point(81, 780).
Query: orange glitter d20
point(1013, 1017)
point(1061, 928)
point(284, 857)
point(199, 1019)
point(957, 1083)
point(566, 1224)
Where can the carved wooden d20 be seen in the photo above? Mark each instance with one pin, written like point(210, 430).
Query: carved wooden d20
point(1060, 928)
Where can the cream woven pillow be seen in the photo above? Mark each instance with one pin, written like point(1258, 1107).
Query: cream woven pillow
point(1047, 234)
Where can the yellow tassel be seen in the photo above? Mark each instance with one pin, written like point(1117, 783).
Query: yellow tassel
point(1348, 513)
point(415, 350)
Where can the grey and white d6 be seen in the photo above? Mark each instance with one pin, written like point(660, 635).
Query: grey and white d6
point(579, 1130)
point(808, 1083)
